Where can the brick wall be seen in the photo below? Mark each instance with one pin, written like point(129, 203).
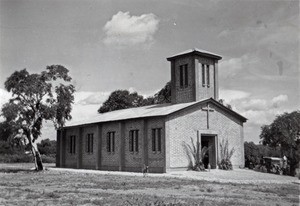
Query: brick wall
point(89, 159)
point(156, 160)
point(182, 126)
point(110, 160)
point(229, 128)
point(205, 91)
point(195, 90)
point(134, 160)
point(185, 94)
point(71, 159)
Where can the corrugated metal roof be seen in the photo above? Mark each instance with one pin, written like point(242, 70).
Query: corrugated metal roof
point(146, 111)
point(131, 113)
point(197, 51)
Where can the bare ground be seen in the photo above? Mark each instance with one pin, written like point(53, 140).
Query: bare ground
point(21, 186)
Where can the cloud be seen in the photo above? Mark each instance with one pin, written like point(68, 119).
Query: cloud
point(125, 30)
point(277, 101)
point(255, 104)
point(4, 97)
point(231, 95)
point(90, 98)
point(230, 67)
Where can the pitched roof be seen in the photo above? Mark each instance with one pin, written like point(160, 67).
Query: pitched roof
point(146, 111)
point(197, 52)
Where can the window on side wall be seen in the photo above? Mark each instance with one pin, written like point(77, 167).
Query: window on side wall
point(203, 75)
point(156, 140)
point(183, 75)
point(133, 140)
point(207, 76)
point(89, 143)
point(110, 142)
point(72, 144)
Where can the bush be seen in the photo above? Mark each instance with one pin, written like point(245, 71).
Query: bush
point(225, 165)
point(48, 158)
point(47, 147)
point(255, 152)
point(195, 155)
point(5, 148)
point(15, 158)
point(226, 154)
point(24, 158)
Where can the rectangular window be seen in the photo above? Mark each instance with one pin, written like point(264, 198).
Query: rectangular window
point(153, 140)
point(89, 143)
point(156, 140)
point(203, 74)
point(159, 139)
point(72, 145)
point(110, 142)
point(207, 75)
point(183, 75)
point(186, 75)
point(134, 140)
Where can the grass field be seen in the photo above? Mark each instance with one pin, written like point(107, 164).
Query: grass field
point(21, 186)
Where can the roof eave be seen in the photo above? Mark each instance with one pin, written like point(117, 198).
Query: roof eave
point(213, 56)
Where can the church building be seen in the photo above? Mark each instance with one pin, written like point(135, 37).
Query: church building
point(155, 135)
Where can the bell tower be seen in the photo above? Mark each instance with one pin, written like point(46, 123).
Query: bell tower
point(194, 76)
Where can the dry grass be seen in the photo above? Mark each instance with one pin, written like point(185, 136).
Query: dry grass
point(20, 186)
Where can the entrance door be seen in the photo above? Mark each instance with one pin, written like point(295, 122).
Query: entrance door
point(210, 157)
point(205, 143)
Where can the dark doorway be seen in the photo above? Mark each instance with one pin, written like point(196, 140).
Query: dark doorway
point(204, 143)
point(210, 157)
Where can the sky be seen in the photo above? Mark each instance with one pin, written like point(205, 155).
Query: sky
point(109, 45)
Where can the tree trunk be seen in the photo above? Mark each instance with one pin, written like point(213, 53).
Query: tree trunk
point(37, 156)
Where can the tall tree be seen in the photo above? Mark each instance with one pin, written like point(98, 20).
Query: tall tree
point(164, 95)
point(284, 131)
point(123, 99)
point(35, 98)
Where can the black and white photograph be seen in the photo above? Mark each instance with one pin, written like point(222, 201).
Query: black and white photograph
point(148, 102)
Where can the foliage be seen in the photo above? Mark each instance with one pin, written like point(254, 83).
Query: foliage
point(255, 152)
point(225, 155)
point(284, 132)
point(195, 155)
point(38, 97)
point(6, 148)
point(11, 154)
point(222, 101)
point(16, 158)
point(164, 95)
point(47, 147)
point(5, 131)
point(123, 99)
